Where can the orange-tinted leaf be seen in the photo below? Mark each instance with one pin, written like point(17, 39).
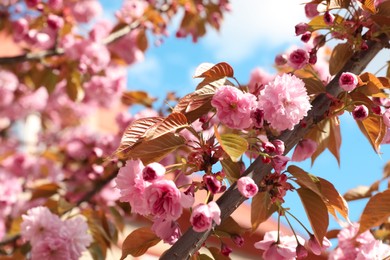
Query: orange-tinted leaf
point(334, 198)
point(388, 70)
point(372, 86)
point(261, 209)
point(172, 123)
point(74, 87)
point(316, 212)
point(340, 55)
point(44, 191)
point(369, 5)
point(130, 98)
point(384, 8)
point(332, 233)
point(218, 71)
point(386, 170)
point(138, 242)
point(374, 129)
point(304, 179)
point(234, 145)
point(231, 227)
point(314, 86)
point(133, 134)
point(376, 211)
point(142, 40)
point(201, 257)
point(334, 143)
point(360, 192)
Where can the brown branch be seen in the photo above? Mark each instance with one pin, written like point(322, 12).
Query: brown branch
point(191, 241)
point(37, 56)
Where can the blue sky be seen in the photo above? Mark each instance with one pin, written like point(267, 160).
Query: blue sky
point(252, 34)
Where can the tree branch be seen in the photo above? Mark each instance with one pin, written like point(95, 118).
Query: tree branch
point(191, 241)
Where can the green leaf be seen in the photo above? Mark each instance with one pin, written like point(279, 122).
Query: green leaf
point(316, 212)
point(231, 169)
point(234, 145)
point(138, 242)
point(376, 211)
point(340, 55)
point(374, 129)
point(261, 209)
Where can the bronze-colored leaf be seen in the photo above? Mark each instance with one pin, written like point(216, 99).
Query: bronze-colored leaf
point(304, 179)
point(334, 143)
point(316, 212)
point(73, 86)
point(337, 4)
point(44, 191)
point(369, 5)
point(138, 242)
point(130, 98)
point(170, 124)
point(261, 209)
point(360, 192)
point(142, 41)
point(384, 8)
point(340, 55)
point(386, 170)
point(231, 169)
point(314, 86)
point(333, 197)
point(388, 70)
point(231, 227)
point(218, 71)
point(374, 129)
point(376, 211)
point(371, 85)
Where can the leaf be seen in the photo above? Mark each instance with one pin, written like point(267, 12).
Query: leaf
point(130, 98)
point(142, 40)
point(231, 227)
point(374, 129)
point(216, 253)
point(337, 4)
point(304, 179)
point(314, 86)
point(44, 191)
point(360, 192)
point(334, 143)
point(231, 169)
point(73, 86)
point(316, 212)
point(369, 5)
point(371, 85)
point(376, 211)
point(386, 170)
point(138, 242)
point(196, 104)
point(261, 209)
point(234, 145)
point(218, 71)
point(334, 198)
point(384, 8)
point(340, 55)
point(170, 124)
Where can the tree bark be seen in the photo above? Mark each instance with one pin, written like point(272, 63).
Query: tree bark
point(191, 241)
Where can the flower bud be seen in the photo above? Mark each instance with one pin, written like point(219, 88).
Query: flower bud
point(279, 146)
point(306, 36)
point(328, 18)
point(225, 249)
point(298, 58)
point(311, 10)
point(268, 147)
point(360, 112)
point(280, 59)
point(212, 184)
point(247, 187)
point(301, 252)
point(238, 240)
point(301, 28)
point(348, 81)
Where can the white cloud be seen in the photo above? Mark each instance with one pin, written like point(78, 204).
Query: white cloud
point(253, 24)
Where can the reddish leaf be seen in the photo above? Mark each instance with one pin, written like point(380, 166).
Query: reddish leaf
point(142, 40)
point(261, 209)
point(138, 242)
point(334, 143)
point(332, 233)
point(340, 55)
point(172, 123)
point(384, 8)
point(316, 212)
point(44, 191)
point(374, 129)
point(360, 192)
point(371, 85)
point(369, 5)
point(376, 211)
point(337, 4)
point(314, 86)
point(218, 71)
point(130, 98)
point(332, 197)
point(304, 179)
point(386, 170)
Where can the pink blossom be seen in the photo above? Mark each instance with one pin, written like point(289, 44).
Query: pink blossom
point(304, 149)
point(20, 29)
point(301, 28)
point(131, 10)
point(153, 171)
point(132, 186)
point(348, 81)
point(126, 48)
point(203, 215)
point(234, 107)
point(55, 22)
point(258, 79)
point(360, 112)
point(85, 10)
point(77, 236)
point(164, 200)
point(311, 10)
point(279, 146)
point(55, 4)
point(213, 185)
point(51, 248)
point(298, 58)
point(39, 223)
point(167, 230)
point(100, 30)
point(312, 56)
point(284, 102)
point(279, 162)
point(284, 250)
point(315, 246)
point(247, 187)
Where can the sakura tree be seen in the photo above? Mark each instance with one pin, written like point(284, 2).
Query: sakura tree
point(68, 186)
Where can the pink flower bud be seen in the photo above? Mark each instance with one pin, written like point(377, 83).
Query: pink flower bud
point(203, 215)
point(311, 10)
point(360, 112)
point(376, 110)
point(348, 81)
point(279, 146)
point(298, 58)
point(55, 22)
point(153, 171)
point(20, 29)
point(257, 117)
point(212, 184)
point(279, 162)
point(225, 249)
point(247, 187)
point(280, 59)
point(55, 4)
point(329, 18)
point(301, 28)
point(301, 252)
point(32, 3)
point(265, 160)
point(313, 57)
point(306, 36)
point(304, 149)
point(315, 246)
point(238, 240)
point(268, 147)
